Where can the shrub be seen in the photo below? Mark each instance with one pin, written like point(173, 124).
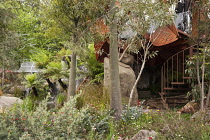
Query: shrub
point(27, 121)
point(21, 122)
point(95, 95)
point(172, 125)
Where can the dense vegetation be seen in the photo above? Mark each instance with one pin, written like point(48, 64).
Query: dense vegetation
point(59, 35)
point(92, 122)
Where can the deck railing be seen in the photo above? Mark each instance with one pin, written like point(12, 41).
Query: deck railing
point(173, 71)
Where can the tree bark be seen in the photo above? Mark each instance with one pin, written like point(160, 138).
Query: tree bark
point(2, 78)
point(208, 98)
point(199, 82)
point(138, 78)
point(72, 77)
point(115, 93)
point(64, 86)
point(203, 80)
point(35, 91)
point(53, 87)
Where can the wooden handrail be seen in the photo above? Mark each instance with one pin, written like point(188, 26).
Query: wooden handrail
point(172, 71)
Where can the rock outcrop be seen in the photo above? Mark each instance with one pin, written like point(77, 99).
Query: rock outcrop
point(128, 59)
point(127, 80)
point(6, 102)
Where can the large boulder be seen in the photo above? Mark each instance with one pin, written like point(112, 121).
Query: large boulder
point(18, 91)
point(6, 102)
point(145, 76)
point(128, 59)
point(127, 80)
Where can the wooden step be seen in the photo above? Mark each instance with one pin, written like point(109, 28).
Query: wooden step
point(170, 88)
point(187, 77)
point(179, 97)
point(171, 93)
point(178, 83)
point(163, 93)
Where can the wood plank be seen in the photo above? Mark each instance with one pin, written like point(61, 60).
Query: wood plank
point(169, 88)
point(172, 93)
point(178, 83)
point(187, 77)
point(163, 93)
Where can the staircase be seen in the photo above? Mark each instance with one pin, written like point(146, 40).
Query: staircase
point(173, 77)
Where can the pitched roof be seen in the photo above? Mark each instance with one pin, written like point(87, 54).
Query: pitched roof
point(164, 35)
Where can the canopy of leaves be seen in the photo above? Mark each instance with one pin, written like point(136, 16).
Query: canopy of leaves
point(8, 37)
point(139, 18)
point(75, 18)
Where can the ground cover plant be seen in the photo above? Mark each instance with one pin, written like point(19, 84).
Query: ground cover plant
point(93, 121)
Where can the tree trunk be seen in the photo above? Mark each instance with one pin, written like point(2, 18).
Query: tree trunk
point(53, 87)
point(64, 86)
point(2, 78)
point(72, 77)
point(199, 82)
point(115, 93)
point(208, 98)
point(138, 78)
point(35, 91)
point(202, 84)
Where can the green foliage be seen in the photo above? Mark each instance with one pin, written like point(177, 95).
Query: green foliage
point(9, 39)
point(79, 103)
point(132, 113)
point(142, 17)
point(31, 79)
point(95, 68)
point(41, 59)
point(61, 98)
point(64, 52)
point(28, 105)
point(41, 123)
point(18, 92)
point(95, 94)
point(34, 80)
point(27, 121)
point(172, 125)
point(50, 64)
point(203, 55)
point(55, 70)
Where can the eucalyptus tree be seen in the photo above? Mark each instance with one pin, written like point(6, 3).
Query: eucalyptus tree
point(22, 32)
point(75, 19)
point(8, 38)
point(32, 29)
point(198, 65)
point(115, 91)
point(142, 19)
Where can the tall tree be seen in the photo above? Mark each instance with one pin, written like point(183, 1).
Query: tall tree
point(141, 19)
point(200, 61)
point(8, 36)
point(33, 29)
point(9, 39)
point(75, 18)
point(115, 93)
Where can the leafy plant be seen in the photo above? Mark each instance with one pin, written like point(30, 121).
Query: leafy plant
point(32, 80)
point(42, 58)
point(95, 68)
point(95, 95)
